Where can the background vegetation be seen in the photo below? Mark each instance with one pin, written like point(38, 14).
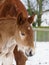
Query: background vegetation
point(38, 9)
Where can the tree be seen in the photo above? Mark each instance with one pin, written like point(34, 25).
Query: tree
point(39, 9)
point(29, 8)
point(39, 12)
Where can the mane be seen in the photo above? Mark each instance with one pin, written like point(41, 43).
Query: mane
point(8, 9)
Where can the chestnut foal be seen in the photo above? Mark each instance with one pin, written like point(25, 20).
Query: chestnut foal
point(15, 26)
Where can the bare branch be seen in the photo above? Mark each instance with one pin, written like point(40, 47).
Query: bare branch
point(44, 11)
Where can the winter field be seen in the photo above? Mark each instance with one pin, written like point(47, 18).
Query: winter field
point(41, 56)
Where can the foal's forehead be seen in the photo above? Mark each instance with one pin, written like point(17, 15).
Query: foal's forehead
point(25, 27)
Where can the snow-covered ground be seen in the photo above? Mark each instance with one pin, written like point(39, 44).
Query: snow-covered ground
point(41, 56)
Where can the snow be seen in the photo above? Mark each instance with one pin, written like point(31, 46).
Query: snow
point(41, 56)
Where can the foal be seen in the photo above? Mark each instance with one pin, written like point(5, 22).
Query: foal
point(14, 26)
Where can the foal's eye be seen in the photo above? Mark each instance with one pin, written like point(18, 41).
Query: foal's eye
point(23, 34)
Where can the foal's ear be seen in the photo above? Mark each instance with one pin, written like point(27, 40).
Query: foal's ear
point(31, 18)
point(20, 19)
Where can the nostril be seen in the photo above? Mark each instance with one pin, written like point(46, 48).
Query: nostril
point(30, 53)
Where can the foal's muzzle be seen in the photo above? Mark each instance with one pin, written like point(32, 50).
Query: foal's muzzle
point(30, 52)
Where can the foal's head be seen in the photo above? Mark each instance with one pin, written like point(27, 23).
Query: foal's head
point(25, 34)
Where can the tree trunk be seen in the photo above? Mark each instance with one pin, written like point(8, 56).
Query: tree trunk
point(39, 12)
point(29, 8)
